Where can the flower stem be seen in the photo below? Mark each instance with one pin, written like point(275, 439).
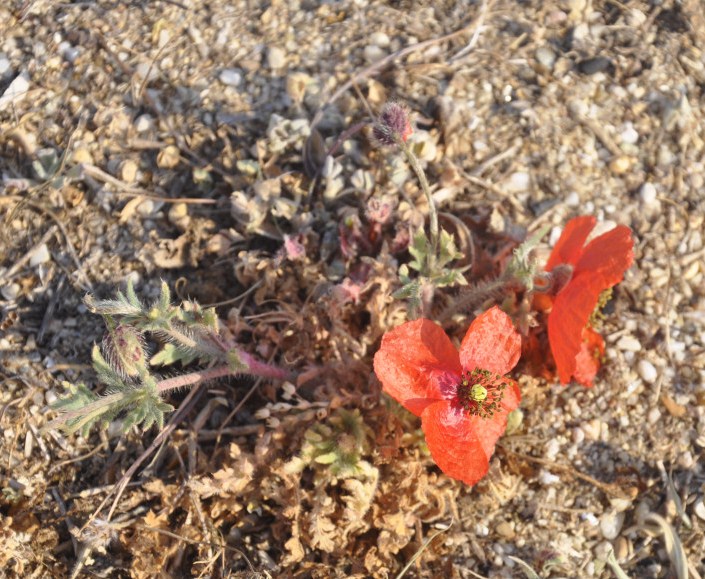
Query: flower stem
point(432, 213)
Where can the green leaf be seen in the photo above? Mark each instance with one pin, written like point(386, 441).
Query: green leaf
point(164, 297)
point(328, 458)
point(448, 278)
point(447, 251)
point(171, 354)
point(408, 290)
point(419, 249)
point(132, 298)
point(106, 373)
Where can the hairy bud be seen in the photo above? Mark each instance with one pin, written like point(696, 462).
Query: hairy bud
point(393, 124)
point(123, 347)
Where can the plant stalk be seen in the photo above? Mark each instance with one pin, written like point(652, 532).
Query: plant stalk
point(432, 213)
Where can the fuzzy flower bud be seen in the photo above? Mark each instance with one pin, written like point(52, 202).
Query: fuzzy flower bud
point(123, 347)
point(393, 124)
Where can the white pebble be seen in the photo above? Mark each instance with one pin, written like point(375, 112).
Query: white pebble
point(611, 524)
point(144, 123)
point(573, 199)
point(553, 447)
point(699, 508)
point(373, 53)
point(17, 90)
point(518, 182)
point(578, 435)
point(629, 135)
point(230, 76)
point(647, 371)
point(276, 58)
point(379, 39)
point(4, 64)
point(10, 291)
point(482, 530)
point(654, 416)
point(41, 255)
point(647, 194)
point(629, 344)
point(548, 478)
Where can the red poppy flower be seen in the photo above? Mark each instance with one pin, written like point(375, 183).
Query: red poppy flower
point(586, 271)
point(463, 398)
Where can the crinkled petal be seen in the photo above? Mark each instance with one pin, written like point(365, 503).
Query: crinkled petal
point(456, 443)
point(491, 343)
point(462, 445)
point(414, 361)
point(587, 362)
point(608, 256)
point(570, 314)
point(569, 247)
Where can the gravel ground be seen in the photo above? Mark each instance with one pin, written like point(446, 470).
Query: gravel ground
point(170, 140)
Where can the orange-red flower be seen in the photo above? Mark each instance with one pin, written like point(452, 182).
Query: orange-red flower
point(463, 397)
point(582, 272)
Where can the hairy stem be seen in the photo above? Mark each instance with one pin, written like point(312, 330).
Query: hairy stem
point(103, 404)
point(470, 298)
point(432, 213)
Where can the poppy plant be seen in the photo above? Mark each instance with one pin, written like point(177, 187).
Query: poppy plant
point(578, 274)
point(463, 397)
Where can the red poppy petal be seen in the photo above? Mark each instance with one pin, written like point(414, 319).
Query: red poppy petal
point(455, 443)
point(569, 247)
point(570, 314)
point(414, 360)
point(491, 343)
point(462, 445)
point(608, 256)
point(587, 362)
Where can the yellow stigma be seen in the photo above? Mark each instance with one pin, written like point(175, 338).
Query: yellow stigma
point(478, 393)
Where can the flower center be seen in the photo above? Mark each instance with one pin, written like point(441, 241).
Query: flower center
point(597, 316)
point(480, 392)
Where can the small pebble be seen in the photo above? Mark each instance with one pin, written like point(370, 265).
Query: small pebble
point(144, 123)
point(611, 524)
point(553, 447)
point(518, 182)
point(622, 548)
point(548, 478)
point(82, 155)
point(595, 65)
point(379, 39)
point(10, 291)
point(620, 165)
point(41, 255)
point(230, 77)
point(128, 171)
point(4, 64)
point(546, 57)
point(699, 508)
point(69, 52)
point(629, 135)
point(629, 344)
point(647, 194)
point(276, 58)
point(654, 416)
point(17, 90)
point(505, 530)
point(647, 371)
point(168, 157)
point(573, 199)
point(373, 53)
